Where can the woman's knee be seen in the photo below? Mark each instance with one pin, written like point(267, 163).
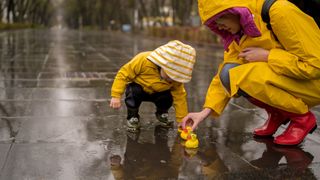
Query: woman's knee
point(224, 74)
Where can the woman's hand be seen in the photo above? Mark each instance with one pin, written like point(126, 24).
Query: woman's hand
point(115, 103)
point(193, 119)
point(254, 54)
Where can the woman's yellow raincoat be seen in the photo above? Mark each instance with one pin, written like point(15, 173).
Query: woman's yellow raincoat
point(145, 73)
point(290, 80)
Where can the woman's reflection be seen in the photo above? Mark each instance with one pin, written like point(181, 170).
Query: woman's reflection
point(297, 159)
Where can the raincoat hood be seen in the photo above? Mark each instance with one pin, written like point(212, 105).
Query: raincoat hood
point(210, 11)
point(176, 59)
point(248, 26)
point(209, 8)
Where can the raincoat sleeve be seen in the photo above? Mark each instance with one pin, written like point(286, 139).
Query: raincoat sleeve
point(126, 74)
point(180, 105)
point(300, 37)
point(217, 98)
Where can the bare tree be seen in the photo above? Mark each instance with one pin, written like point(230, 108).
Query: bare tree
point(97, 13)
point(182, 11)
point(22, 7)
point(10, 10)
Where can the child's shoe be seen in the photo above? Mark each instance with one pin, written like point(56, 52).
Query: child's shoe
point(164, 120)
point(133, 124)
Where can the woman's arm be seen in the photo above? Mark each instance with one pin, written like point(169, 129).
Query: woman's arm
point(300, 38)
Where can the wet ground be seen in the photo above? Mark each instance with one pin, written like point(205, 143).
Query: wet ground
point(55, 120)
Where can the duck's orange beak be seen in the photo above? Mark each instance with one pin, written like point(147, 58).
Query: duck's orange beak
point(189, 137)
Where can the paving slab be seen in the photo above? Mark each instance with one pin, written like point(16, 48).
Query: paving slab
point(56, 161)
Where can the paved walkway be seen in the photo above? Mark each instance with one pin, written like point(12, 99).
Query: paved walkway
point(55, 120)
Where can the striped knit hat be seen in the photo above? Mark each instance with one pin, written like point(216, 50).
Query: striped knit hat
point(176, 59)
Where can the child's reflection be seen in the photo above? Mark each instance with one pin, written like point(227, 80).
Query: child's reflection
point(148, 160)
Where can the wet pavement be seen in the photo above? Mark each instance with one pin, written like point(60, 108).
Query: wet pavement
point(55, 120)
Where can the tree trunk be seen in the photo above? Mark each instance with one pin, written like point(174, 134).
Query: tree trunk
point(10, 10)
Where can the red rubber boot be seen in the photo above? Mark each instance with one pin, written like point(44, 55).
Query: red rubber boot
point(274, 121)
point(298, 129)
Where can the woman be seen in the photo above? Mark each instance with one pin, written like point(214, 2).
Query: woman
point(281, 75)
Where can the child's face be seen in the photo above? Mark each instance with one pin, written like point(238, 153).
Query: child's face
point(165, 76)
point(229, 22)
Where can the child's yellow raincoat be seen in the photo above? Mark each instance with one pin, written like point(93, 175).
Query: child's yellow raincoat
point(290, 79)
point(177, 60)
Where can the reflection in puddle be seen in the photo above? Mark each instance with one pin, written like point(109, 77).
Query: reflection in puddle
point(295, 157)
point(157, 160)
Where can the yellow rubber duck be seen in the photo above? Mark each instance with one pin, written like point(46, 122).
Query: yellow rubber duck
point(184, 134)
point(192, 141)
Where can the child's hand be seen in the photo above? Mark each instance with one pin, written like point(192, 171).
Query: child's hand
point(115, 103)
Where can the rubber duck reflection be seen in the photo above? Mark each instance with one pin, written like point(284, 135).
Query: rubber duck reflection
point(148, 160)
point(297, 159)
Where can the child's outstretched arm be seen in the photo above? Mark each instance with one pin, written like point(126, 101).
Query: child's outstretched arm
point(180, 105)
point(125, 75)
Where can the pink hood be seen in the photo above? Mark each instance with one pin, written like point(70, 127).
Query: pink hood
point(247, 23)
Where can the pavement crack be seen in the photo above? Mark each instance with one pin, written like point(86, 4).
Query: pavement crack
point(6, 159)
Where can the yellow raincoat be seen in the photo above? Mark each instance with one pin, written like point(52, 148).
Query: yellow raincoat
point(290, 79)
point(145, 73)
